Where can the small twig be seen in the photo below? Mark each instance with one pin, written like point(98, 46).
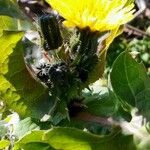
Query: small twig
point(135, 31)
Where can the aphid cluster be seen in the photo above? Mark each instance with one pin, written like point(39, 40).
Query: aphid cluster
point(54, 74)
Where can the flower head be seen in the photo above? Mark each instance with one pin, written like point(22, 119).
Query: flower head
point(98, 15)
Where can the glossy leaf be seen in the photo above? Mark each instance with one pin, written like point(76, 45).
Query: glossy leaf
point(131, 83)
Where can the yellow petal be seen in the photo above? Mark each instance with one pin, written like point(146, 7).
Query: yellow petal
point(98, 15)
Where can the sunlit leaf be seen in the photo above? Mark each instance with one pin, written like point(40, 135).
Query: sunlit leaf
point(18, 89)
point(4, 144)
point(13, 24)
point(70, 138)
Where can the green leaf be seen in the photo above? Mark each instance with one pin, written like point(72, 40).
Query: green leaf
point(61, 113)
point(24, 127)
point(131, 83)
point(11, 8)
point(4, 144)
point(70, 138)
point(33, 137)
point(13, 24)
point(18, 89)
point(100, 101)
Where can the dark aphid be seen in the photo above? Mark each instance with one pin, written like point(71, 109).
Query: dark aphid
point(54, 74)
point(51, 32)
point(43, 73)
point(58, 74)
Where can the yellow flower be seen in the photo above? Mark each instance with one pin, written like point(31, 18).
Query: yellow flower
point(98, 15)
